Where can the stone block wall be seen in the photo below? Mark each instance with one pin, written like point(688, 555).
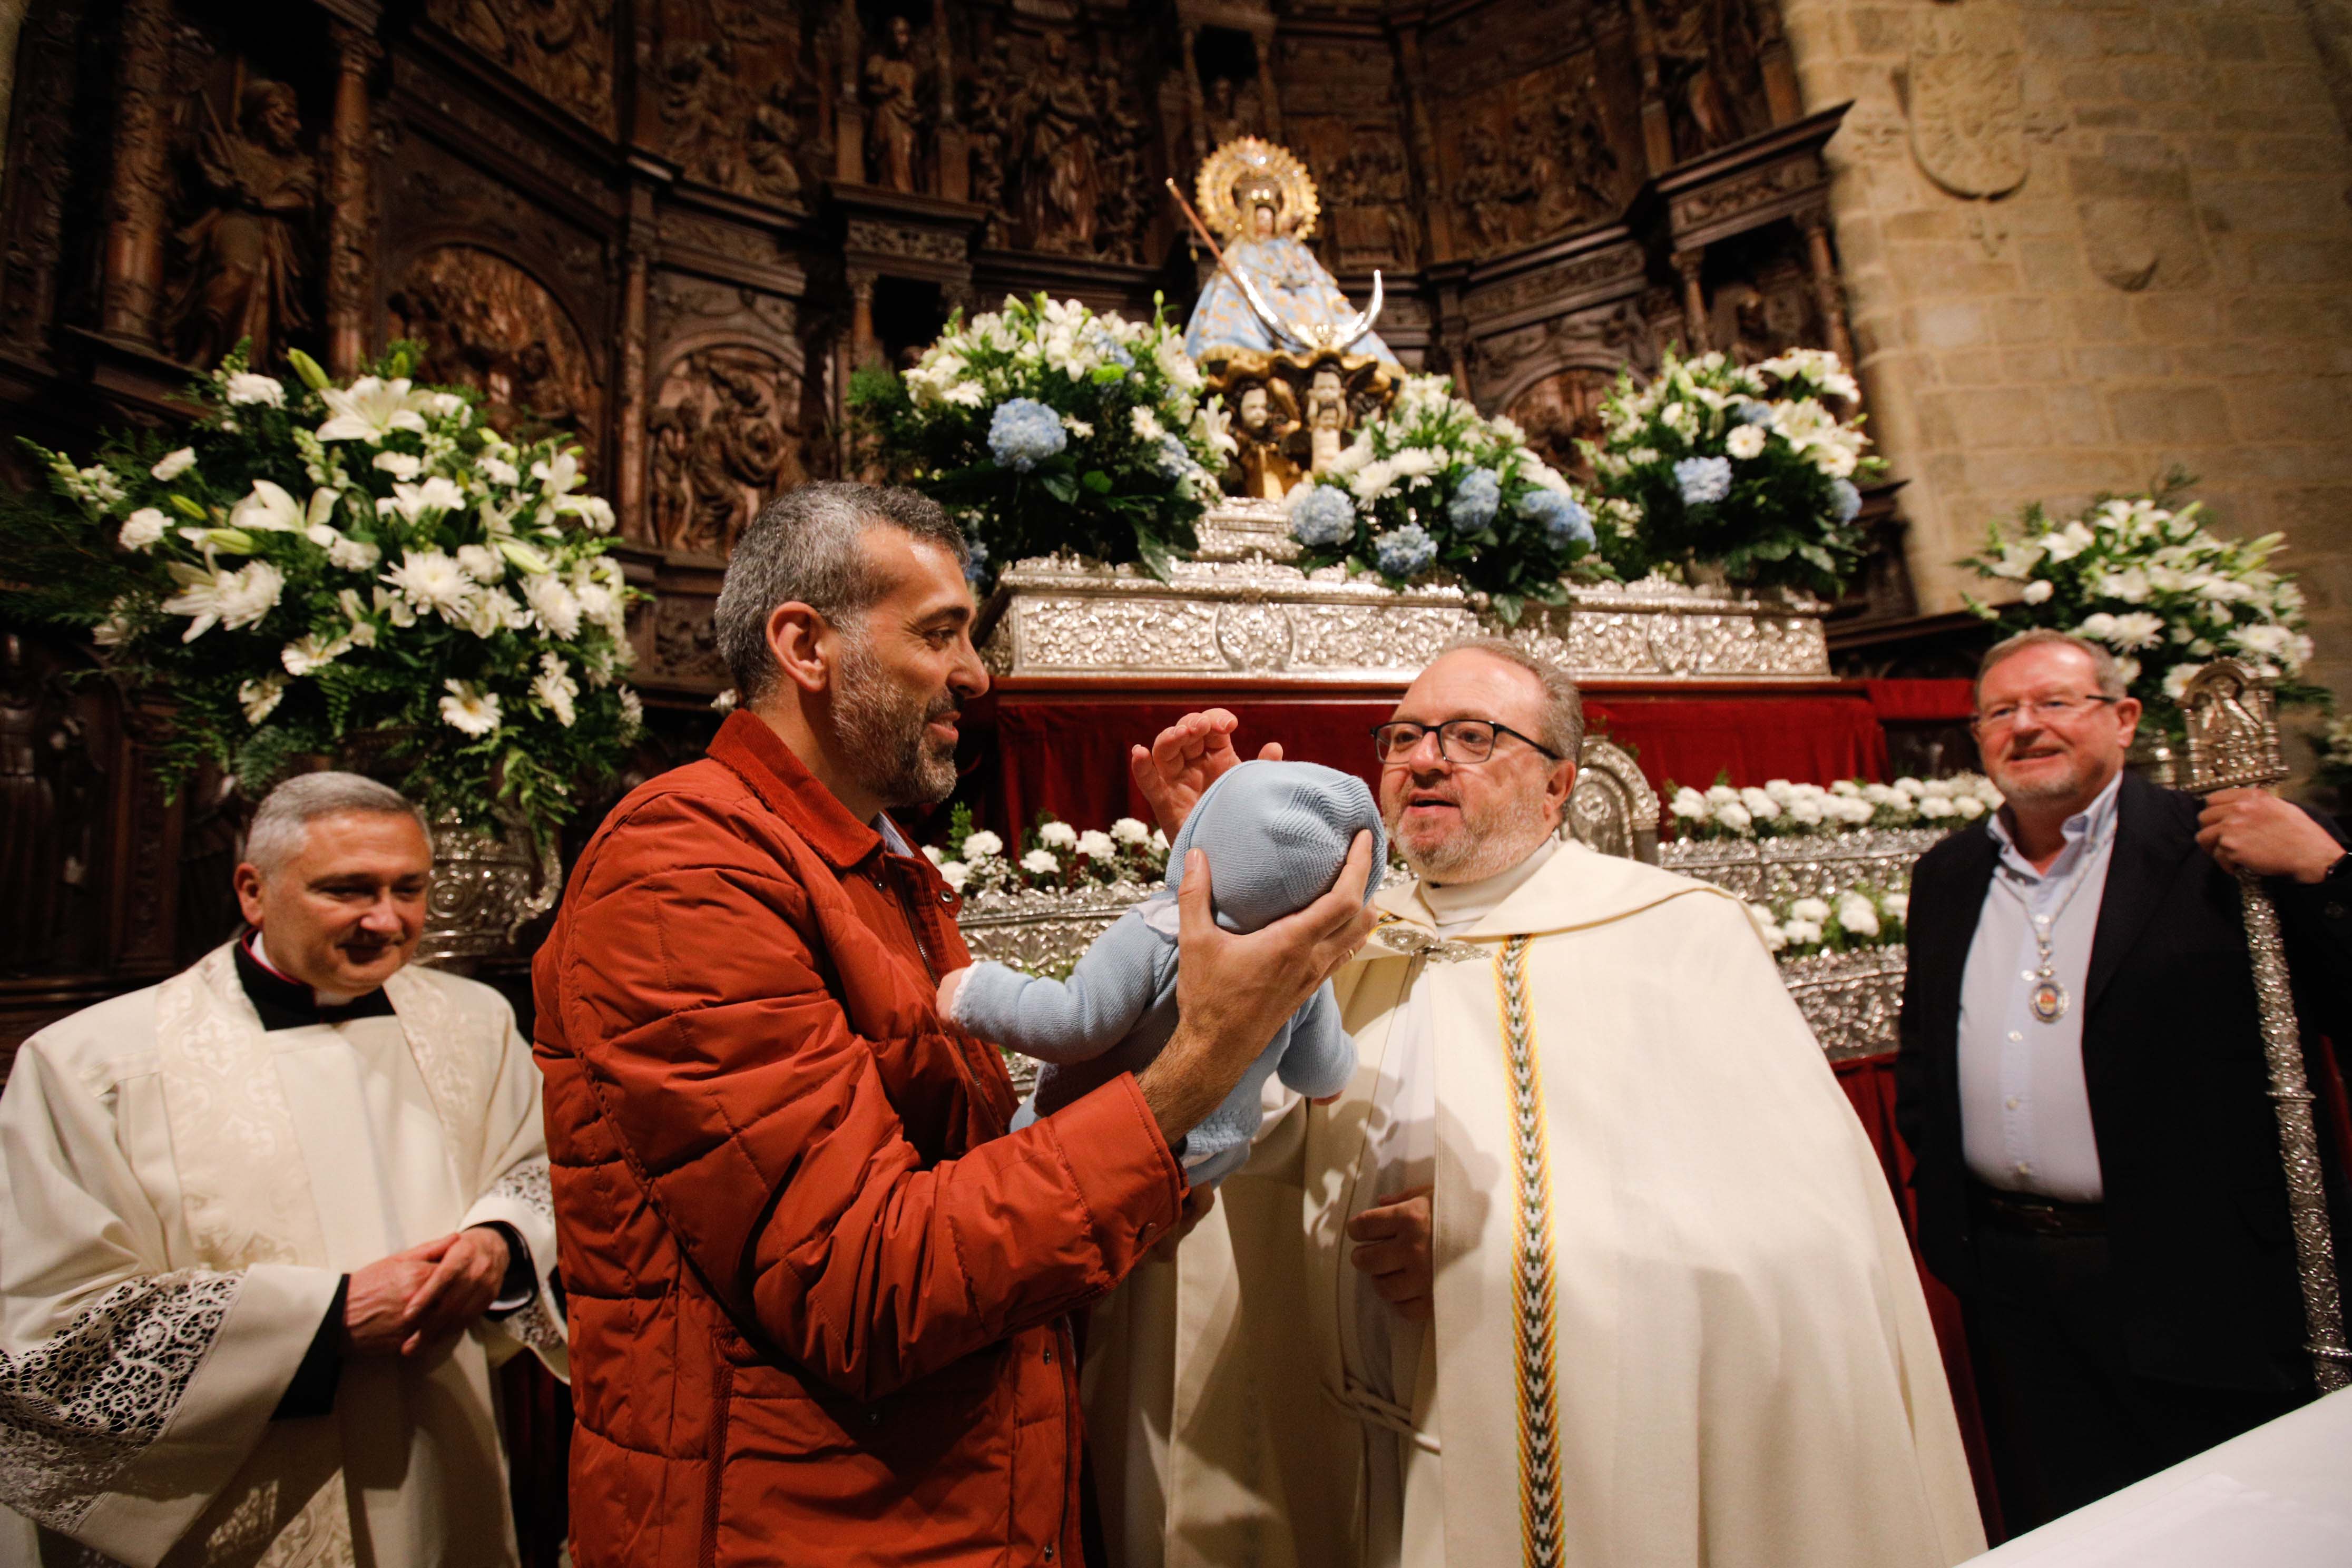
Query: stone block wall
point(2085, 242)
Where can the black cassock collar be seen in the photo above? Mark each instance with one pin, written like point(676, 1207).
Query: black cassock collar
point(285, 1002)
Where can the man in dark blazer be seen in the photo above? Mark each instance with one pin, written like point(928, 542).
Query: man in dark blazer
point(2081, 1084)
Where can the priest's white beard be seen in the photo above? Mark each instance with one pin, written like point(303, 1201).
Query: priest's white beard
point(883, 734)
point(1484, 845)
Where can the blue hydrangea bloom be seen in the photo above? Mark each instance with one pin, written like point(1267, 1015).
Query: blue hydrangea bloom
point(1099, 337)
point(1323, 516)
point(1748, 411)
point(975, 564)
point(1844, 500)
point(1171, 458)
point(1704, 480)
point(1405, 551)
point(1564, 521)
point(1023, 433)
point(1475, 500)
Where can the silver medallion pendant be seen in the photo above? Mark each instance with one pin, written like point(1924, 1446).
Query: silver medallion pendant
point(2048, 1000)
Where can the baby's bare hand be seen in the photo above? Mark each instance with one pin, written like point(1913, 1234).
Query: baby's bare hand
point(950, 983)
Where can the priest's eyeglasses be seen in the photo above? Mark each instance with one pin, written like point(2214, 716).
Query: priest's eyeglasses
point(2043, 709)
point(1458, 740)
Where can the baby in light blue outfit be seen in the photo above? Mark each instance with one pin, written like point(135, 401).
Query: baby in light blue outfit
point(1277, 835)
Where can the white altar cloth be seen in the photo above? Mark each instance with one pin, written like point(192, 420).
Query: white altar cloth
point(2279, 1496)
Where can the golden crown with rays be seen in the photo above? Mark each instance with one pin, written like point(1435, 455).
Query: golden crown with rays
point(1249, 165)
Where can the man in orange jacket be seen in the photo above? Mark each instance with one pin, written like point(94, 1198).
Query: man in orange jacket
point(820, 1297)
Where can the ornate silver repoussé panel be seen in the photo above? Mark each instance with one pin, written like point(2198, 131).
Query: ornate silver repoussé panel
point(1242, 608)
point(1821, 866)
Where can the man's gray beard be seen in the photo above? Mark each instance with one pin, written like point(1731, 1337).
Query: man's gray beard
point(880, 729)
point(1482, 849)
point(2065, 789)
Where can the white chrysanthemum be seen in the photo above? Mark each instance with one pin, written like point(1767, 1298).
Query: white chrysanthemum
point(1689, 803)
point(2135, 629)
point(172, 464)
point(1810, 909)
point(602, 605)
point(1040, 863)
point(1372, 480)
point(246, 387)
point(481, 563)
point(431, 580)
point(1761, 806)
point(1802, 933)
point(1858, 915)
point(260, 697)
point(982, 846)
point(555, 688)
point(633, 713)
point(955, 874)
point(1128, 830)
point(400, 465)
point(1968, 806)
point(1058, 835)
point(1934, 808)
point(555, 604)
point(1733, 817)
point(1096, 845)
point(369, 409)
point(142, 529)
point(354, 554)
point(468, 708)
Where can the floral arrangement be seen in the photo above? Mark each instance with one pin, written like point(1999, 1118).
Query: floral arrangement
point(1044, 426)
point(1857, 918)
point(1054, 856)
point(1746, 466)
point(2145, 578)
point(1432, 485)
point(1784, 810)
point(321, 562)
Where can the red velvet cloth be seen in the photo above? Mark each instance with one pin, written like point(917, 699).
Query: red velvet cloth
point(1922, 701)
point(1067, 756)
point(1869, 1083)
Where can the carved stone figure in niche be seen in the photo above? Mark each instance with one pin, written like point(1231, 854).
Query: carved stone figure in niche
point(1266, 415)
point(1232, 108)
point(1368, 196)
point(1561, 410)
point(563, 49)
point(1491, 186)
point(246, 254)
point(1684, 45)
point(1122, 212)
point(726, 438)
point(892, 113)
point(988, 121)
point(488, 324)
point(1584, 189)
point(723, 130)
point(1060, 190)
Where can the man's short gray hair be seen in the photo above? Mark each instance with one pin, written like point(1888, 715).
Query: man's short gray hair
point(284, 818)
point(804, 548)
point(1562, 728)
point(2105, 668)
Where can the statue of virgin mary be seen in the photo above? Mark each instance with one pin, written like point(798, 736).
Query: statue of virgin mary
point(1270, 297)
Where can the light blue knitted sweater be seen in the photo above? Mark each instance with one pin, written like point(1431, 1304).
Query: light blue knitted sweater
point(1276, 835)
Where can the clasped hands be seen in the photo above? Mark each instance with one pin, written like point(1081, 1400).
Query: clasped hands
point(406, 1303)
point(2254, 830)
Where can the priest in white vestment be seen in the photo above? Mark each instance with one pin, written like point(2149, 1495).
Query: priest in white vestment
point(1593, 1264)
point(266, 1227)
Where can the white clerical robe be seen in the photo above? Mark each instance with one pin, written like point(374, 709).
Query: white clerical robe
point(1677, 1322)
point(181, 1192)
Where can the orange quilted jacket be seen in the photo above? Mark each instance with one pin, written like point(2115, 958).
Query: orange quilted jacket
point(820, 1297)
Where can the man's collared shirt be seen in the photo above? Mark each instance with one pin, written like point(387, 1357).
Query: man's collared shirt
point(2025, 1113)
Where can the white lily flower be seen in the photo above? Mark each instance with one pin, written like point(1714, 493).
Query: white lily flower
point(269, 509)
point(260, 696)
point(370, 409)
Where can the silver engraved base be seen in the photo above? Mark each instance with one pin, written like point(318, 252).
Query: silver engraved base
point(1812, 865)
point(486, 888)
point(1244, 609)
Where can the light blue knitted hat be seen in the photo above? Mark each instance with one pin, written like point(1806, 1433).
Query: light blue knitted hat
point(1276, 835)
